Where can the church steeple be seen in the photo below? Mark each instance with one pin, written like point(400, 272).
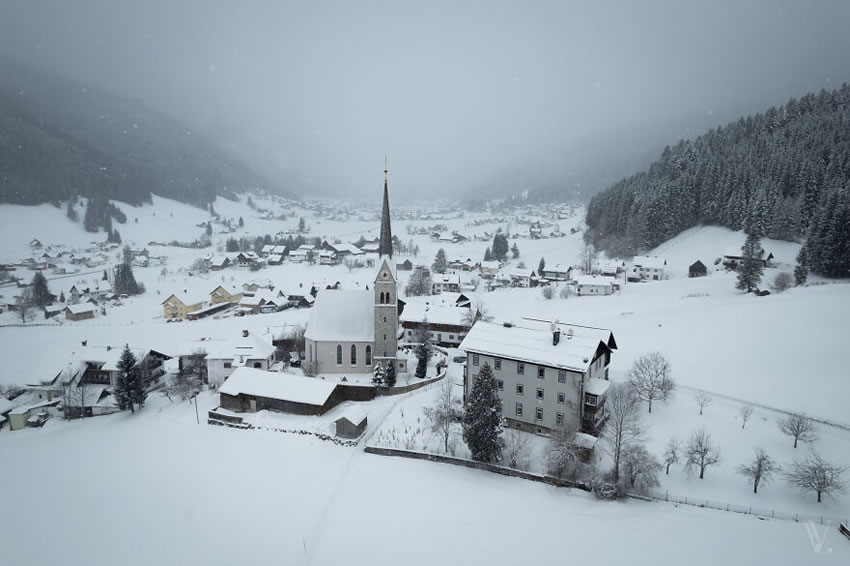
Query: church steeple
point(385, 246)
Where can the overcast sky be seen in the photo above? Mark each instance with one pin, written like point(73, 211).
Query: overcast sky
point(457, 94)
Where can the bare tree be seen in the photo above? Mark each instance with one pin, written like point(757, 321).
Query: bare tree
point(75, 399)
point(476, 312)
point(760, 469)
point(783, 281)
point(702, 400)
point(562, 456)
point(24, 304)
point(650, 377)
point(446, 413)
point(816, 474)
point(671, 453)
point(548, 292)
point(624, 426)
point(798, 427)
point(700, 452)
point(516, 450)
point(640, 468)
point(746, 412)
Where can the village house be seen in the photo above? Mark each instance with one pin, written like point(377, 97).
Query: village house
point(179, 305)
point(80, 311)
point(446, 324)
point(648, 268)
point(223, 357)
point(223, 295)
point(595, 285)
point(549, 375)
point(489, 269)
point(734, 255)
point(463, 264)
point(445, 282)
point(610, 267)
point(556, 272)
point(328, 257)
point(406, 265)
point(218, 263)
point(352, 424)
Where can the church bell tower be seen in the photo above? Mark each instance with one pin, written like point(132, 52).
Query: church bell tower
point(386, 294)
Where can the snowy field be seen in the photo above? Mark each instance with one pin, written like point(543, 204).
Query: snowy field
point(180, 493)
point(206, 494)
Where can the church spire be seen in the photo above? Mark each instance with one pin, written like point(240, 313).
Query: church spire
point(385, 246)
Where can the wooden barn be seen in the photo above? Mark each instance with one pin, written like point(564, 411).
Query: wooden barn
point(249, 390)
point(697, 269)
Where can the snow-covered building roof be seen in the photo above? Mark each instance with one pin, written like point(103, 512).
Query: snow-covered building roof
point(6, 405)
point(557, 268)
point(491, 265)
point(649, 262)
point(80, 308)
point(596, 386)
point(354, 414)
point(594, 280)
point(531, 340)
point(345, 316)
point(282, 386)
point(446, 278)
point(241, 349)
point(434, 313)
point(585, 441)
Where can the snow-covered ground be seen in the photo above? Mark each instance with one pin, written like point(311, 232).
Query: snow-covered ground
point(205, 494)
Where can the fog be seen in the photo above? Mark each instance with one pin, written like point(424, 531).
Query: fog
point(461, 96)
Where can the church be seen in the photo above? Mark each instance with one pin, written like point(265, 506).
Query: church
point(353, 331)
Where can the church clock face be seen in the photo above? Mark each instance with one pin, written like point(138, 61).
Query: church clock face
point(384, 275)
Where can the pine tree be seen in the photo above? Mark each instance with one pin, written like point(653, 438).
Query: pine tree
point(62, 297)
point(801, 271)
point(124, 282)
point(440, 263)
point(40, 292)
point(751, 267)
point(379, 376)
point(208, 230)
point(126, 376)
point(541, 266)
point(500, 247)
point(71, 212)
point(482, 421)
point(241, 222)
point(389, 374)
point(422, 357)
point(487, 255)
point(515, 251)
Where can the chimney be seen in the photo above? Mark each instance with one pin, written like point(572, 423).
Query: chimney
point(556, 336)
point(244, 334)
point(569, 333)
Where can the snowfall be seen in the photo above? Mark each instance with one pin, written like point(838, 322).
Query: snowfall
point(157, 487)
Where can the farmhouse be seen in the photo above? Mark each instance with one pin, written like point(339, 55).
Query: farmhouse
point(549, 375)
point(648, 268)
point(733, 256)
point(445, 282)
point(225, 356)
point(250, 390)
point(557, 272)
point(223, 295)
point(594, 285)
point(610, 267)
point(489, 269)
point(446, 325)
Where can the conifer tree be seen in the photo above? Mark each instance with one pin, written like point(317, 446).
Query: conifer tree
point(422, 360)
point(40, 292)
point(126, 375)
point(487, 255)
point(440, 262)
point(801, 271)
point(482, 421)
point(751, 267)
point(515, 251)
point(541, 266)
point(389, 374)
point(500, 247)
point(379, 376)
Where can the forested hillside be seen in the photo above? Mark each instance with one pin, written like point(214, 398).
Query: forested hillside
point(784, 174)
point(60, 138)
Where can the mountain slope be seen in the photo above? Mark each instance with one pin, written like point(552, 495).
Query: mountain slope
point(60, 138)
point(783, 174)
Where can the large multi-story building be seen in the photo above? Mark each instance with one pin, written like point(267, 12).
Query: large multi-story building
point(549, 375)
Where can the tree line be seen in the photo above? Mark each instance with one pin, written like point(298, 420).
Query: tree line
point(783, 174)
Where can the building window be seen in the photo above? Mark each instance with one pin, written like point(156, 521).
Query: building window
point(559, 419)
point(258, 365)
point(439, 337)
point(590, 399)
point(562, 398)
point(353, 355)
point(520, 368)
point(410, 333)
point(541, 372)
point(500, 384)
point(368, 355)
point(451, 336)
point(475, 359)
point(498, 363)
point(562, 376)
point(381, 299)
point(520, 389)
point(228, 365)
point(339, 354)
point(519, 409)
point(540, 394)
point(538, 414)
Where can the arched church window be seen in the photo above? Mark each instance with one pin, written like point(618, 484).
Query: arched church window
point(339, 354)
point(368, 355)
point(353, 355)
point(381, 301)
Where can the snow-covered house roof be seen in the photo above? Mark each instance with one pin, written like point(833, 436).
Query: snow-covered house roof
point(434, 313)
point(80, 308)
point(531, 340)
point(241, 349)
point(649, 262)
point(582, 280)
point(345, 316)
point(267, 249)
point(6, 405)
point(272, 385)
point(446, 278)
point(354, 414)
point(491, 265)
point(557, 268)
point(596, 386)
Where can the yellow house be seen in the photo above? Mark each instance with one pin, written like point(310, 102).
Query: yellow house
point(178, 306)
point(222, 295)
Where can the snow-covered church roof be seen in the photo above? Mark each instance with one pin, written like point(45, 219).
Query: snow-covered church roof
point(342, 316)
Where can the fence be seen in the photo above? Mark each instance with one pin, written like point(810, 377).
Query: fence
point(742, 509)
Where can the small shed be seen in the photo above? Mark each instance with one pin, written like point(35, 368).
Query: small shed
point(351, 424)
point(697, 269)
point(406, 265)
